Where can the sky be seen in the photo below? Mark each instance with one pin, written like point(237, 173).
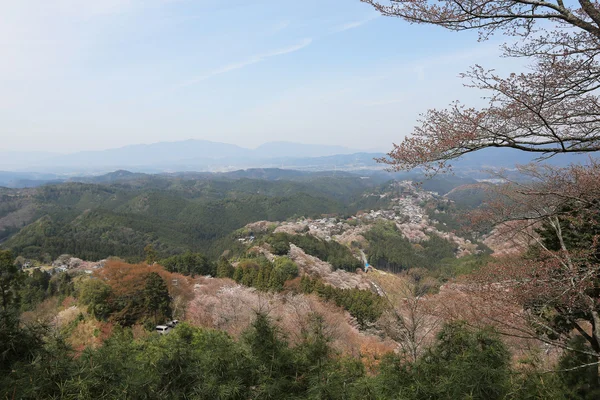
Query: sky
point(97, 74)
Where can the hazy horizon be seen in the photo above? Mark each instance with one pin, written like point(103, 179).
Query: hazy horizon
point(93, 76)
point(257, 146)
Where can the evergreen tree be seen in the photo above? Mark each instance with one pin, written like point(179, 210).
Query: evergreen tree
point(189, 264)
point(224, 268)
point(10, 279)
point(34, 289)
point(464, 364)
point(151, 255)
point(157, 298)
point(579, 371)
point(95, 294)
point(61, 285)
point(273, 358)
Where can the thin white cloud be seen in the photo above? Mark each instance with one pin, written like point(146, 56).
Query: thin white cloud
point(355, 24)
point(280, 26)
point(250, 61)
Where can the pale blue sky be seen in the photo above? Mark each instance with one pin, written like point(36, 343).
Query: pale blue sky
point(91, 74)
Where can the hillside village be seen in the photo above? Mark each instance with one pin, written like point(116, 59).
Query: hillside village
point(300, 200)
point(405, 209)
point(385, 280)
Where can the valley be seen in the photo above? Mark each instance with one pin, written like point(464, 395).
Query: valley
point(383, 267)
point(306, 200)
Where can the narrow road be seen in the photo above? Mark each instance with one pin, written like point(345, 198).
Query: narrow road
point(364, 259)
point(377, 288)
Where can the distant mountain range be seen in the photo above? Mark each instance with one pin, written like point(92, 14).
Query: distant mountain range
point(194, 154)
point(28, 169)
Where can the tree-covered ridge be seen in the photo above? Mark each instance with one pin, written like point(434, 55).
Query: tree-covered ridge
point(280, 274)
point(338, 255)
point(390, 250)
point(461, 363)
point(187, 264)
point(175, 215)
point(364, 305)
point(264, 275)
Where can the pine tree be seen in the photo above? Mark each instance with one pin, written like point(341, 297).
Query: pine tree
point(157, 298)
point(9, 278)
point(224, 269)
point(150, 254)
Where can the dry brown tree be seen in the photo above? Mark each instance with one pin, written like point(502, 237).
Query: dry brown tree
point(411, 319)
point(552, 107)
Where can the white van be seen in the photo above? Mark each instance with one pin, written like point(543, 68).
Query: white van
point(163, 329)
point(172, 324)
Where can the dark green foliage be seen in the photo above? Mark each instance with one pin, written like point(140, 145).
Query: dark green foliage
point(395, 379)
point(363, 305)
point(466, 363)
point(470, 196)
point(61, 285)
point(579, 229)
point(463, 364)
point(308, 370)
point(283, 270)
point(10, 279)
point(34, 289)
point(338, 255)
point(191, 363)
point(150, 253)
point(174, 215)
point(272, 357)
point(189, 264)
point(18, 343)
point(390, 250)
point(580, 371)
point(264, 275)
point(195, 363)
point(8, 231)
point(435, 250)
point(449, 217)
point(96, 294)
point(156, 296)
point(533, 383)
point(224, 268)
point(280, 243)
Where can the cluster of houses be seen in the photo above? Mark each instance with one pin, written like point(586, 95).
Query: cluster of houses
point(406, 207)
point(66, 263)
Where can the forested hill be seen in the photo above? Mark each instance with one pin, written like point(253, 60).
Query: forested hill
point(174, 213)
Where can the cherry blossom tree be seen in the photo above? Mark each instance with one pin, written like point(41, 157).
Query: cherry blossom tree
point(552, 292)
point(552, 107)
point(411, 320)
